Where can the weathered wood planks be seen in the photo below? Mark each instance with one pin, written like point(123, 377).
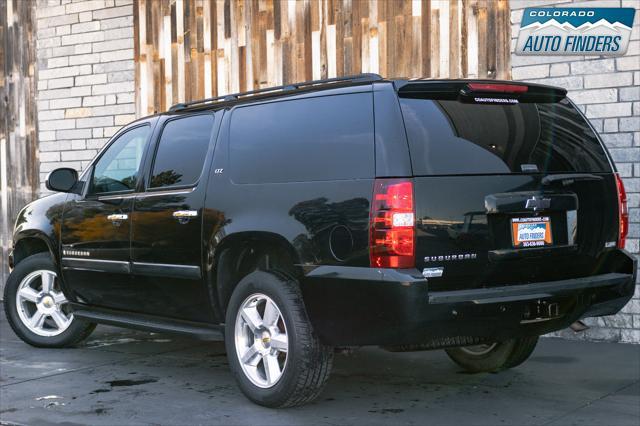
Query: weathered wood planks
point(190, 49)
point(18, 134)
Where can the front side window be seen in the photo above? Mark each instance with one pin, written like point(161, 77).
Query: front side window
point(117, 169)
point(181, 151)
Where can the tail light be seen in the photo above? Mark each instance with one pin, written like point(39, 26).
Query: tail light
point(392, 224)
point(623, 213)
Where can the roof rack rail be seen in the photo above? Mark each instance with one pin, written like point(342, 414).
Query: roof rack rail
point(368, 77)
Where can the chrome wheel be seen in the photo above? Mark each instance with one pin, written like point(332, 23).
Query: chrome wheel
point(261, 340)
point(478, 350)
point(41, 306)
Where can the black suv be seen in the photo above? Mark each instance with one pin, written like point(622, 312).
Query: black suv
point(468, 215)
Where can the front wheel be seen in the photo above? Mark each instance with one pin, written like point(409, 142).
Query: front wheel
point(273, 352)
point(37, 310)
point(492, 357)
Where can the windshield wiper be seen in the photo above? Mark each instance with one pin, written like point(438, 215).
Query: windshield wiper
point(569, 178)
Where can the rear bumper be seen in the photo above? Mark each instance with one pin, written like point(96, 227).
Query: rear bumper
point(541, 290)
point(363, 306)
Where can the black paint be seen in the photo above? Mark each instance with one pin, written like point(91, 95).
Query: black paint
point(303, 217)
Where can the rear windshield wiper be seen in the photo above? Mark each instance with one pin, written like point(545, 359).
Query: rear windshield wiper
point(568, 178)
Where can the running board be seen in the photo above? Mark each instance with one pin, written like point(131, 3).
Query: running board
point(148, 322)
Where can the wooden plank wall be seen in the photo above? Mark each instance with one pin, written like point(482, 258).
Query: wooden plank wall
point(192, 49)
point(18, 135)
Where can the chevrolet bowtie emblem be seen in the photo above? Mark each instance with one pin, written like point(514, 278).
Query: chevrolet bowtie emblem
point(538, 203)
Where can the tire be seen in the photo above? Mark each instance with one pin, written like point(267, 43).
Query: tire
point(50, 307)
point(305, 366)
point(495, 357)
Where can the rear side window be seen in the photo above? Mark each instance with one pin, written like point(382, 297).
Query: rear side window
point(181, 151)
point(451, 137)
point(313, 139)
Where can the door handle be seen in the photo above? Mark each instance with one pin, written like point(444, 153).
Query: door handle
point(184, 216)
point(117, 218)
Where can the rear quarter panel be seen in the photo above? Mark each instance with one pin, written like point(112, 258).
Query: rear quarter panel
point(305, 214)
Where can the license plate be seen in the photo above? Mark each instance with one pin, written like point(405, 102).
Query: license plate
point(531, 231)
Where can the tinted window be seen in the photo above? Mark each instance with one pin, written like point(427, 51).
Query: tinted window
point(324, 138)
point(181, 152)
point(451, 137)
point(117, 169)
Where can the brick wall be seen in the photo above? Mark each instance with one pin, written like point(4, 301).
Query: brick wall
point(85, 78)
point(607, 89)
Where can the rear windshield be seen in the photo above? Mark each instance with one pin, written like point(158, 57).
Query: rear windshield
point(450, 137)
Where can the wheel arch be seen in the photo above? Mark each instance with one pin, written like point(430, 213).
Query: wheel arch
point(30, 244)
point(241, 253)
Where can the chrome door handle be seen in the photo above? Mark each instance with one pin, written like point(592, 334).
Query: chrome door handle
point(117, 218)
point(183, 216)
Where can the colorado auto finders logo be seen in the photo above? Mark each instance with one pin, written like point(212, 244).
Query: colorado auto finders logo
point(575, 31)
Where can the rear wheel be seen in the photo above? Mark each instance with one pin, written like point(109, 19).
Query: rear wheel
point(37, 310)
point(496, 356)
point(275, 356)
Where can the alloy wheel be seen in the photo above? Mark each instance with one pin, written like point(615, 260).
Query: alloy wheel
point(481, 349)
point(261, 340)
point(41, 305)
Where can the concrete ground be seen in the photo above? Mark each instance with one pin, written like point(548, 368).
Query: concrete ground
point(126, 377)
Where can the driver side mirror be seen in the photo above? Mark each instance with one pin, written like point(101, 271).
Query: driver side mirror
point(62, 180)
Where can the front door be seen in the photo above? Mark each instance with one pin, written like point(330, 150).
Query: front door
point(96, 226)
point(167, 222)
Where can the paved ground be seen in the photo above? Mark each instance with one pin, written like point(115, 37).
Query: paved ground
point(124, 377)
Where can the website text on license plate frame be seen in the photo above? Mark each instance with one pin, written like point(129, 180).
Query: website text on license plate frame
point(531, 232)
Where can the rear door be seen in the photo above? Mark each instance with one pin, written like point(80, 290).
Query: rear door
point(508, 190)
point(166, 235)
